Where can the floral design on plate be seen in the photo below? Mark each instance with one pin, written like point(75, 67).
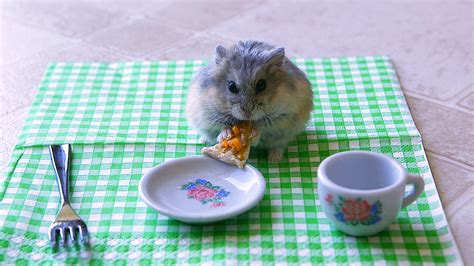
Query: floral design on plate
point(203, 191)
point(356, 211)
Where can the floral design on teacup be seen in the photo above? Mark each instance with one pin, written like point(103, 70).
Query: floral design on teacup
point(203, 191)
point(355, 211)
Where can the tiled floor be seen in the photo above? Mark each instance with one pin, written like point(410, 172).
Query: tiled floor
point(430, 42)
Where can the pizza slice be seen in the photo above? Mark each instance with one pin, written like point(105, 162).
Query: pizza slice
point(235, 148)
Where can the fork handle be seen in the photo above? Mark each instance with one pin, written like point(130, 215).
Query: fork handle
point(60, 157)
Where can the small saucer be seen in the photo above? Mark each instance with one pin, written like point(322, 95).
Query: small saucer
point(198, 189)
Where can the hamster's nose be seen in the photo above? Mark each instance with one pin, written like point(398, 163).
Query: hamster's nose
point(246, 114)
point(247, 111)
point(246, 107)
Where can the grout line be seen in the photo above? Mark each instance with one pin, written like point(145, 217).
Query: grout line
point(65, 34)
point(449, 160)
point(248, 13)
point(216, 36)
point(175, 25)
point(106, 50)
point(462, 96)
point(60, 46)
point(164, 22)
point(463, 93)
point(86, 38)
point(110, 50)
point(192, 38)
point(439, 102)
point(171, 46)
point(126, 21)
point(197, 32)
point(8, 113)
point(38, 27)
point(131, 56)
point(224, 38)
point(460, 202)
point(444, 207)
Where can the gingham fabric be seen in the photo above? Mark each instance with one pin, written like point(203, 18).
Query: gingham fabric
point(125, 118)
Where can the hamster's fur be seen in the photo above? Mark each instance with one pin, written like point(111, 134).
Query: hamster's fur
point(255, 81)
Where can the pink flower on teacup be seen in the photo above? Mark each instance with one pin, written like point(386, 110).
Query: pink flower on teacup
point(356, 210)
point(201, 193)
point(328, 198)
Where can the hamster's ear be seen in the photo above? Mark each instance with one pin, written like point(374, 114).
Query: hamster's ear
point(275, 57)
point(220, 54)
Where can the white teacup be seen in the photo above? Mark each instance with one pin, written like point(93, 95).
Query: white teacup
point(362, 192)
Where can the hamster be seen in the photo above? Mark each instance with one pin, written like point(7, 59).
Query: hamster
point(251, 80)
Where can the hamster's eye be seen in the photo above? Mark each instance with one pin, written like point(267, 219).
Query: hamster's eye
point(232, 87)
point(261, 85)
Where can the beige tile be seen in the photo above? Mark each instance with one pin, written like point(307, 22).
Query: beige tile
point(10, 128)
point(468, 101)
point(12, 100)
point(70, 18)
point(135, 8)
point(5, 154)
point(19, 81)
point(461, 223)
point(452, 180)
point(19, 41)
point(444, 131)
point(140, 37)
point(293, 26)
point(200, 15)
point(433, 52)
point(199, 47)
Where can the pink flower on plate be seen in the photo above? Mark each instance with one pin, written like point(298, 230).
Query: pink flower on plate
point(217, 204)
point(206, 193)
point(201, 193)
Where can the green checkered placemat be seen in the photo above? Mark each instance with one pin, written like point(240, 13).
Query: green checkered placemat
point(124, 118)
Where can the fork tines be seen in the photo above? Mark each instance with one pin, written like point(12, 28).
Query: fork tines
point(68, 232)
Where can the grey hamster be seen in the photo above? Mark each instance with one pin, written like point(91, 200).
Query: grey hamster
point(251, 80)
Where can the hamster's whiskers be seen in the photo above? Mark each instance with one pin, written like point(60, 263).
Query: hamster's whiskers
point(269, 119)
point(221, 118)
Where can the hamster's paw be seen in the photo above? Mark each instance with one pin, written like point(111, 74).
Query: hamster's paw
point(255, 137)
point(275, 155)
point(225, 134)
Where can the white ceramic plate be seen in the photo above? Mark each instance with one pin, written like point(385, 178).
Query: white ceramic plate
point(198, 189)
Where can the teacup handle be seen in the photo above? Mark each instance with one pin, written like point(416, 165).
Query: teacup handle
point(418, 187)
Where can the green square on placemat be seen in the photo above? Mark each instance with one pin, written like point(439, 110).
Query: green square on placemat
point(124, 118)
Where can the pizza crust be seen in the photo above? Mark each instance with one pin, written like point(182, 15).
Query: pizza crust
point(228, 155)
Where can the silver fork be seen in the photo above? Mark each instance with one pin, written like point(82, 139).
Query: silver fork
point(67, 225)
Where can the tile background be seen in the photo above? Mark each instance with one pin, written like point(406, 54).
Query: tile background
point(430, 42)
